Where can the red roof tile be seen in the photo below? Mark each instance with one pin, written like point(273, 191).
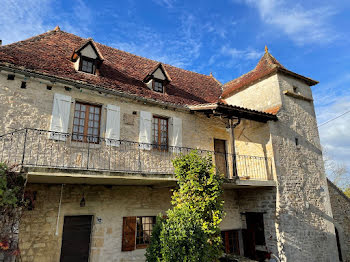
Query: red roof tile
point(50, 53)
point(266, 66)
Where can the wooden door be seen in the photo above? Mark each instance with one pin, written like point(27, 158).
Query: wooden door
point(76, 239)
point(220, 156)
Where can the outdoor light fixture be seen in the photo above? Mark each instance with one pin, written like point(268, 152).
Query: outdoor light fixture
point(82, 202)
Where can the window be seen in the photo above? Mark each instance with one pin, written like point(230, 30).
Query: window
point(230, 241)
point(86, 123)
point(157, 85)
point(144, 226)
point(160, 133)
point(137, 232)
point(87, 65)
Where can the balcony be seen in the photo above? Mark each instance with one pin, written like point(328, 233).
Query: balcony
point(56, 154)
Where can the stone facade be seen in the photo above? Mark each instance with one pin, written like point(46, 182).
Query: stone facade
point(341, 214)
point(298, 218)
point(108, 205)
point(304, 223)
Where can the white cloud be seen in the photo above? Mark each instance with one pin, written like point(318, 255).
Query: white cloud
point(245, 54)
point(22, 19)
point(335, 135)
point(177, 48)
point(300, 24)
point(165, 3)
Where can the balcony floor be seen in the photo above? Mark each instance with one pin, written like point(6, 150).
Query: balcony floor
point(49, 175)
point(80, 176)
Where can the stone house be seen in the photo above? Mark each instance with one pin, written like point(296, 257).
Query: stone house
point(94, 129)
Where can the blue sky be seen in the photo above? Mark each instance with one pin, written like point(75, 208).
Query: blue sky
point(224, 37)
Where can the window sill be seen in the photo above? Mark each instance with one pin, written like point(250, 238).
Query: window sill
point(142, 246)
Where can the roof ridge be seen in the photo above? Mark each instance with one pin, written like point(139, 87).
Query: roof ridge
point(32, 38)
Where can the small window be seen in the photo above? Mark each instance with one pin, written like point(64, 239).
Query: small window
point(144, 227)
point(230, 241)
point(87, 65)
point(86, 123)
point(160, 133)
point(158, 86)
point(295, 89)
point(10, 77)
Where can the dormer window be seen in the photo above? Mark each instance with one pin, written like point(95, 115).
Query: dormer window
point(87, 65)
point(157, 79)
point(87, 58)
point(158, 85)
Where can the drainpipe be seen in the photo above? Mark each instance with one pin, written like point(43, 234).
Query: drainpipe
point(59, 211)
point(232, 127)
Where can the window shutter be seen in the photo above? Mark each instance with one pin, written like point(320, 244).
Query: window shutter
point(145, 130)
point(129, 231)
point(60, 116)
point(113, 125)
point(176, 136)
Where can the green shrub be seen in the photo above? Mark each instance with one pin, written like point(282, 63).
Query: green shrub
point(191, 231)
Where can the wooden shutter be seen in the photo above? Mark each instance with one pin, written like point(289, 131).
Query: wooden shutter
point(113, 125)
point(176, 134)
point(145, 130)
point(60, 116)
point(129, 233)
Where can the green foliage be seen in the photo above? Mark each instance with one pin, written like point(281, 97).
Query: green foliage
point(11, 188)
point(191, 231)
point(153, 252)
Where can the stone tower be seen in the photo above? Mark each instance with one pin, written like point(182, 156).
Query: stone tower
point(304, 222)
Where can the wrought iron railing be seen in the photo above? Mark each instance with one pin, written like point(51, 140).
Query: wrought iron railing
point(41, 148)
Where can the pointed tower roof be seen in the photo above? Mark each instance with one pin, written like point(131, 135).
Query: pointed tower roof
point(266, 66)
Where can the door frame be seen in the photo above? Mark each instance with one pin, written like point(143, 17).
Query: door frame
point(226, 160)
point(91, 230)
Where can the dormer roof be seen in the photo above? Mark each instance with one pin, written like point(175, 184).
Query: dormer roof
point(77, 52)
point(267, 66)
point(151, 74)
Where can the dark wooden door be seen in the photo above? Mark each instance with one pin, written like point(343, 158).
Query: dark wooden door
point(249, 243)
point(76, 239)
point(220, 156)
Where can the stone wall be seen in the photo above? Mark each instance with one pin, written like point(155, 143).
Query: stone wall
point(304, 222)
point(261, 200)
point(341, 214)
point(32, 108)
point(38, 241)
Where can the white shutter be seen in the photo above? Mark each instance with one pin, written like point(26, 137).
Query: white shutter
point(113, 125)
point(60, 116)
point(145, 130)
point(176, 136)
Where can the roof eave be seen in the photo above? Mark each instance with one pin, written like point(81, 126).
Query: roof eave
point(307, 80)
point(233, 111)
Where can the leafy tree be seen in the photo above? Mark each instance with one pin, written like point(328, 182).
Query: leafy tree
point(191, 231)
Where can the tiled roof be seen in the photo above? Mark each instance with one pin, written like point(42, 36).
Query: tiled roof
point(266, 66)
point(50, 53)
